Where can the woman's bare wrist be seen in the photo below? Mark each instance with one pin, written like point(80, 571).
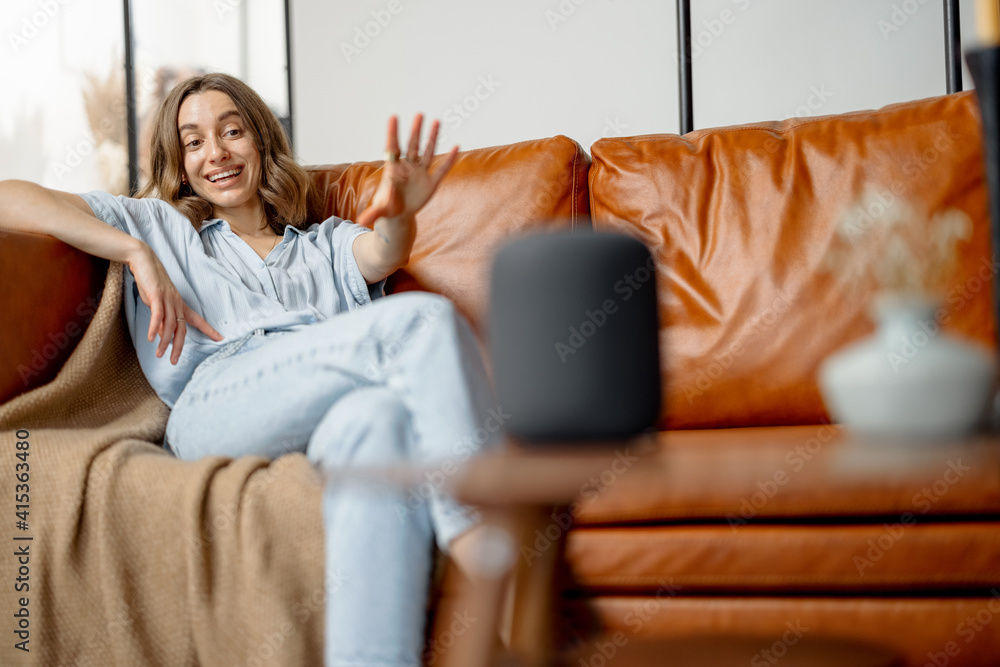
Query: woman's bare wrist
point(135, 251)
point(396, 237)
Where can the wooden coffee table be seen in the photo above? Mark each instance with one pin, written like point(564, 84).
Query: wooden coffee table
point(524, 493)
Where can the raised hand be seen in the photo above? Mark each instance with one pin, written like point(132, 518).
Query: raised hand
point(407, 182)
point(169, 314)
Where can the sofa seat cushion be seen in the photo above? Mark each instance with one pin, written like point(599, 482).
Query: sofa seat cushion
point(741, 477)
point(728, 650)
point(490, 196)
point(957, 632)
point(740, 220)
point(885, 555)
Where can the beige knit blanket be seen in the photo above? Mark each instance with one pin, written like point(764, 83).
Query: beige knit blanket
point(136, 558)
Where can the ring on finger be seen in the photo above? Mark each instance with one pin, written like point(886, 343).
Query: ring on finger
point(391, 156)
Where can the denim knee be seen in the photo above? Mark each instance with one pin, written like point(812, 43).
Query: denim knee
point(368, 426)
point(426, 307)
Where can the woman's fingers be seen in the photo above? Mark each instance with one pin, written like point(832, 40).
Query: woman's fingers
point(167, 328)
point(406, 186)
point(392, 138)
point(413, 150)
point(178, 334)
point(199, 323)
point(370, 215)
point(155, 315)
point(449, 160)
point(168, 314)
point(431, 144)
point(178, 343)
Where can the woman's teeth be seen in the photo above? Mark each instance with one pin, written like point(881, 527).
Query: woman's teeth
point(224, 175)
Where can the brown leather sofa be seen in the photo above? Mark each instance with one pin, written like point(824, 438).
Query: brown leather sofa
point(771, 518)
point(768, 520)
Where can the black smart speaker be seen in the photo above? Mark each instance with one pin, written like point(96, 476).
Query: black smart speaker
point(574, 336)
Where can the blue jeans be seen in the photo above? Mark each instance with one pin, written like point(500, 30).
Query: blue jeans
point(399, 381)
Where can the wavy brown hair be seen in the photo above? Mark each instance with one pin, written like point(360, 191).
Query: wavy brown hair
point(284, 185)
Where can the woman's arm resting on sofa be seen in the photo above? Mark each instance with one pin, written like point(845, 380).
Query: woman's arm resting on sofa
point(28, 207)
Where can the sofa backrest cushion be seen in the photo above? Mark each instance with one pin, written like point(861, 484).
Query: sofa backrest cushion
point(489, 196)
point(740, 218)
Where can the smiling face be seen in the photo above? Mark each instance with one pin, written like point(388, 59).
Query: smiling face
point(221, 160)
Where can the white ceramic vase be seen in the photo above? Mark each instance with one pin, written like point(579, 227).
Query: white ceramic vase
point(909, 380)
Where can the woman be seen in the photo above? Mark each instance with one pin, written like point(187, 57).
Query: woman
point(272, 351)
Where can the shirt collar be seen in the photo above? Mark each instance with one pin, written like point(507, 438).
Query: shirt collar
point(214, 221)
point(208, 223)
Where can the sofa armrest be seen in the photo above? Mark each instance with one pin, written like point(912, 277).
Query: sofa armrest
point(49, 292)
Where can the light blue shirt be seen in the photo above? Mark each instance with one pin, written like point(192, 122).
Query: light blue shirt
point(309, 276)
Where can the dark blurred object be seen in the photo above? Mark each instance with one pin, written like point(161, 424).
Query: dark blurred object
point(574, 336)
point(984, 65)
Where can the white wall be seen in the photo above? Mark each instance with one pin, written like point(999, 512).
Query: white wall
point(780, 58)
point(592, 68)
point(513, 71)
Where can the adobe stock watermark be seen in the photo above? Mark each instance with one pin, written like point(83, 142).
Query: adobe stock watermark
point(315, 602)
point(815, 101)
point(32, 24)
point(723, 360)
point(908, 346)
point(375, 369)
point(312, 604)
point(460, 624)
point(613, 127)
point(562, 13)
point(710, 30)
point(589, 491)
point(102, 141)
point(224, 8)
point(118, 627)
point(225, 516)
point(879, 203)
point(549, 192)
point(967, 629)
point(796, 459)
point(773, 654)
point(592, 320)
point(455, 116)
point(58, 341)
point(78, 150)
point(462, 451)
point(365, 34)
point(923, 501)
point(636, 618)
point(898, 17)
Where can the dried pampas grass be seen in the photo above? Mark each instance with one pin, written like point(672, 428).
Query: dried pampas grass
point(104, 102)
point(891, 242)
